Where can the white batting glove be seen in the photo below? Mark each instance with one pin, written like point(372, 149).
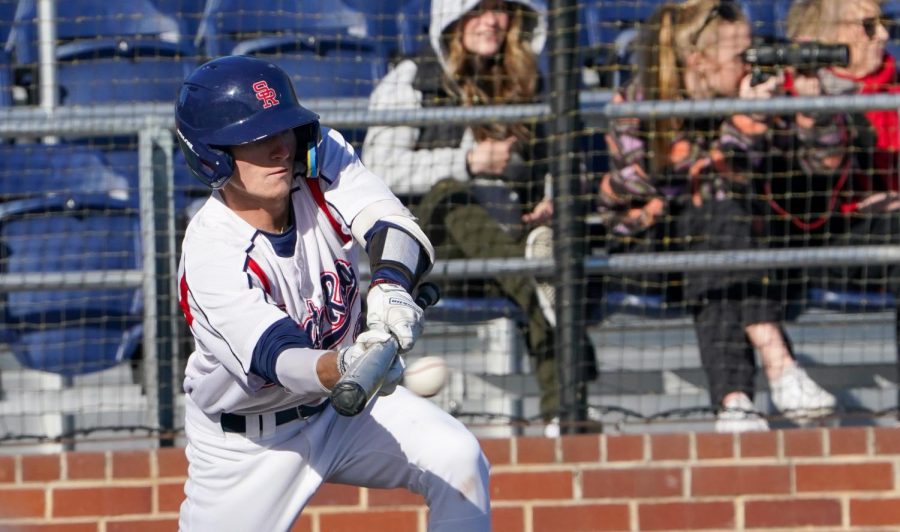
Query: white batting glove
point(349, 356)
point(392, 309)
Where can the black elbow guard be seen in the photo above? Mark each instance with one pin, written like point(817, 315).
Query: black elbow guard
point(396, 256)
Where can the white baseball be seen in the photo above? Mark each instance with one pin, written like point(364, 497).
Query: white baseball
point(426, 376)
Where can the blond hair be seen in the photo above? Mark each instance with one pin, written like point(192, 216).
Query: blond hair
point(510, 79)
point(670, 34)
point(817, 19)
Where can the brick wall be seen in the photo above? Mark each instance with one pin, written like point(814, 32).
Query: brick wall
point(837, 479)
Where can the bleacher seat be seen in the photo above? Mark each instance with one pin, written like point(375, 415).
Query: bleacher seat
point(137, 23)
point(383, 22)
point(122, 77)
point(70, 331)
point(35, 170)
point(187, 12)
point(890, 9)
point(413, 19)
point(6, 79)
point(226, 23)
point(323, 67)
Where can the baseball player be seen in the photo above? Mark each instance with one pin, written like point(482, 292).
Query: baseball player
point(268, 285)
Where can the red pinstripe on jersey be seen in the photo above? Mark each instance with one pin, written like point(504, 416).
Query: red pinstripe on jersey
point(185, 306)
point(260, 274)
point(320, 201)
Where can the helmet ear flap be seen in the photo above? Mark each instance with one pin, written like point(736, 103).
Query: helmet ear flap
point(211, 165)
point(308, 138)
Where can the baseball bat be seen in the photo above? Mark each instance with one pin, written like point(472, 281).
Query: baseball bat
point(353, 391)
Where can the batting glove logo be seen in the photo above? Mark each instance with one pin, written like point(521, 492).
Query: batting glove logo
point(265, 94)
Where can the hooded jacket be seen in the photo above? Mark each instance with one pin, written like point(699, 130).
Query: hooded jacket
point(412, 159)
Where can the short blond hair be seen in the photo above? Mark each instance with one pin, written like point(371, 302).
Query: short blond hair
point(817, 19)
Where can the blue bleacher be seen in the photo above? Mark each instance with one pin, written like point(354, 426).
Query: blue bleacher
point(34, 170)
point(138, 23)
point(122, 78)
point(71, 332)
point(413, 19)
point(226, 23)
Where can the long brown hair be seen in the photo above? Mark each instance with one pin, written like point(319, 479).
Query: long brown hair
point(670, 34)
point(509, 78)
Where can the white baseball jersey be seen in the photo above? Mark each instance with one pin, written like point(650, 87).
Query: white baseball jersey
point(238, 284)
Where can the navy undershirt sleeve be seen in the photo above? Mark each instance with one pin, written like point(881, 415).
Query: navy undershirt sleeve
point(281, 335)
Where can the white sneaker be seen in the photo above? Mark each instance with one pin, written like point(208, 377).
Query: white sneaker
point(551, 429)
point(798, 397)
point(739, 415)
point(539, 245)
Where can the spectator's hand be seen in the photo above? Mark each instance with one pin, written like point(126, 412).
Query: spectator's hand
point(807, 85)
point(880, 202)
point(542, 212)
point(641, 218)
point(764, 90)
point(490, 156)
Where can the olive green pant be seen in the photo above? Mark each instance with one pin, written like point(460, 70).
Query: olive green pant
point(461, 228)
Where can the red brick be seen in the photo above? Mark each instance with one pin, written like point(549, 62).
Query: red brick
point(303, 524)
point(670, 447)
point(40, 468)
point(874, 512)
point(536, 450)
point(624, 447)
point(170, 496)
point(109, 501)
point(844, 477)
point(15, 503)
point(55, 527)
point(580, 448)
point(395, 497)
point(131, 464)
point(758, 444)
point(172, 462)
point(526, 486)
point(851, 440)
point(142, 525)
point(497, 450)
point(336, 495)
point(887, 440)
point(583, 518)
point(7, 469)
point(803, 442)
point(712, 446)
point(740, 480)
point(792, 512)
point(395, 521)
point(509, 519)
point(686, 515)
point(85, 466)
point(631, 482)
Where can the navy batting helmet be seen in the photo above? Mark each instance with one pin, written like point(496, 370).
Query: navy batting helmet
point(235, 100)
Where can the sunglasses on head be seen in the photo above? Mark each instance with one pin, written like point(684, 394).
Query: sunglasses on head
point(728, 10)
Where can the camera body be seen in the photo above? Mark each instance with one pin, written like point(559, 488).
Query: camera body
point(805, 57)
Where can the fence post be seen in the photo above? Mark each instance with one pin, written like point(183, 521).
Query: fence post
point(568, 208)
point(158, 240)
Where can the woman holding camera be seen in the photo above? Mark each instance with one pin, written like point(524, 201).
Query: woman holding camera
point(680, 184)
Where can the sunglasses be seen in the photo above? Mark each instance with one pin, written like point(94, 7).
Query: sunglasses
point(870, 25)
point(729, 11)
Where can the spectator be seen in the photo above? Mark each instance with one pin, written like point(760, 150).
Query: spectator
point(476, 187)
point(858, 204)
point(675, 184)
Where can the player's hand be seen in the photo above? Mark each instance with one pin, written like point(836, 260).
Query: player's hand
point(391, 309)
point(349, 356)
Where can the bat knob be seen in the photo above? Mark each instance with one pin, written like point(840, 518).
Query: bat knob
point(348, 398)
